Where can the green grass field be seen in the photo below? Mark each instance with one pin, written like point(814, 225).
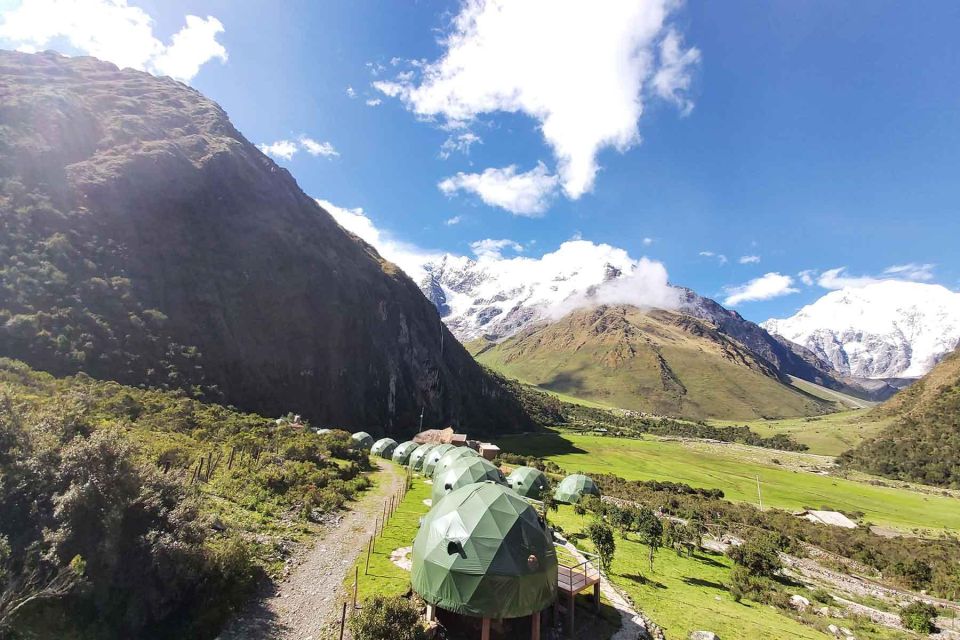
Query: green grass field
point(734, 469)
point(688, 594)
point(828, 435)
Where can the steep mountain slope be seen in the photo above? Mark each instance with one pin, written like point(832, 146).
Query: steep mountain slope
point(145, 240)
point(887, 329)
point(922, 442)
point(655, 361)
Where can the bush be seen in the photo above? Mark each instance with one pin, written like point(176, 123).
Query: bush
point(758, 556)
point(384, 617)
point(601, 536)
point(918, 616)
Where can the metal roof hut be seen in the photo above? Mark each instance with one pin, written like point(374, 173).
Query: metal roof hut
point(363, 439)
point(384, 447)
point(574, 487)
point(484, 552)
point(430, 464)
point(419, 455)
point(528, 482)
point(401, 455)
point(462, 472)
point(452, 456)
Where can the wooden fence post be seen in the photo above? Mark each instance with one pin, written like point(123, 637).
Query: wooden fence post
point(343, 619)
point(369, 550)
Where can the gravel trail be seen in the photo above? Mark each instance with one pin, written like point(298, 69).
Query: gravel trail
point(307, 601)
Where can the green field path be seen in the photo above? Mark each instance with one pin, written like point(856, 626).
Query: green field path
point(729, 469)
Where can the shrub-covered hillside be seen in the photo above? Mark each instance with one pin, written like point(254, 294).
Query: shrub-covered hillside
point(922, 443)
point(130, 513)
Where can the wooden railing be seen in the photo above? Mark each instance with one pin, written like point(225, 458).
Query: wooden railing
point(573, 575)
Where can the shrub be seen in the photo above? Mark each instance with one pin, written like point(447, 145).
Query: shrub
point(918, 616)
point(387, 617)
point(601, 535)
point(758, 556)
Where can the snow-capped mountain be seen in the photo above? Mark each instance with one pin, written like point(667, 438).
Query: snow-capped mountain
point(888, 329)
point(496, 297)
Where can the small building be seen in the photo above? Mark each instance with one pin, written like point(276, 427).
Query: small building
point(574, 487)
point(384, 447)
point(528, 482)
point(451, 456)
point(362, 439)
point(832, 518)
point(401, 455)
point(489, 450)
point(463, 472)
point(483, 560)
point(419, 456)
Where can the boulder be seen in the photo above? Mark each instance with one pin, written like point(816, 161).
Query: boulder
point(799, 603)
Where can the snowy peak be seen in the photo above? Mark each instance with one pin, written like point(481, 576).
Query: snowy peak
point(888, 329)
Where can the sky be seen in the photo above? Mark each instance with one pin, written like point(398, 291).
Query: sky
point(762, 153)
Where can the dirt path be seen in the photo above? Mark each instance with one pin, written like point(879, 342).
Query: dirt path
point(307, 600)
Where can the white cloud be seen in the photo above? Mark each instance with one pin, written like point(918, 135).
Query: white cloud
point(286, 149)
point(647, 242)
point(315, 148)
point(460, 143)
point(672, 81)
point(839, 278)
point(374, 102)
point(490, 248)
point(452, 221)
point(767, 286)
point(351, 93)
point(281, 149)
point(114, 31)
point(749, 260)
point(583, 70)
point(807, 276)
point(408, 257)
point(722, 259)
point(523, 194)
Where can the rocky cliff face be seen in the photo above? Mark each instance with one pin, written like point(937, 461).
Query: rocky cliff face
point(145, 240)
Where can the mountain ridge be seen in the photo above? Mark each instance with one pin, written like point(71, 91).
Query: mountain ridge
point(150, 243)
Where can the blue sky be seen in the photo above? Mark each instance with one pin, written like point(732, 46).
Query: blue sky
point(822, 134)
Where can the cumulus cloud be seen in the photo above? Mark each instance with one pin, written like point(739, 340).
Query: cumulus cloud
point(351, 93)
point(315, 148)
point(452, 221)
point(807, 276)
point(281, 149)
point(749, 260)
point(286, 149)
point(490, 248)
point(583, 70)
point(523, 194)
point(647, 242)
point(405, 255)
point(460, 143)
point(767, 286)
point(840, 278)
point(374, 102)
point(115, 31)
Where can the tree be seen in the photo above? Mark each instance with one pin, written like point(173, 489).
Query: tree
point(758, 556)
point(681, 537)
point(650, 530)
point(918, 616)
point(391, 617)
point(601, 535)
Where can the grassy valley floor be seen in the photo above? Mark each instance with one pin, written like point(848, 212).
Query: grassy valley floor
point(735, 469)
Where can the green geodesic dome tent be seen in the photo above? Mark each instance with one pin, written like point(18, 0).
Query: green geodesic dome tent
point(452, 456)
point(575, 487)
point(528, 482)
point(462, 472)
point(384, 447)
point(363, 439)
point(430, 463)
point(401, 455)
point(484, 551)
point(419, 455)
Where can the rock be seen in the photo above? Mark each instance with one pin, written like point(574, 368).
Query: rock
point(834, 629)
point(846, 632)
point(823, 611)
point(799, 603)
point(703, 635)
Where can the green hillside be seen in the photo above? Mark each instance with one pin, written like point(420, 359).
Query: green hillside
point(653, 361)
point(922, 440)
